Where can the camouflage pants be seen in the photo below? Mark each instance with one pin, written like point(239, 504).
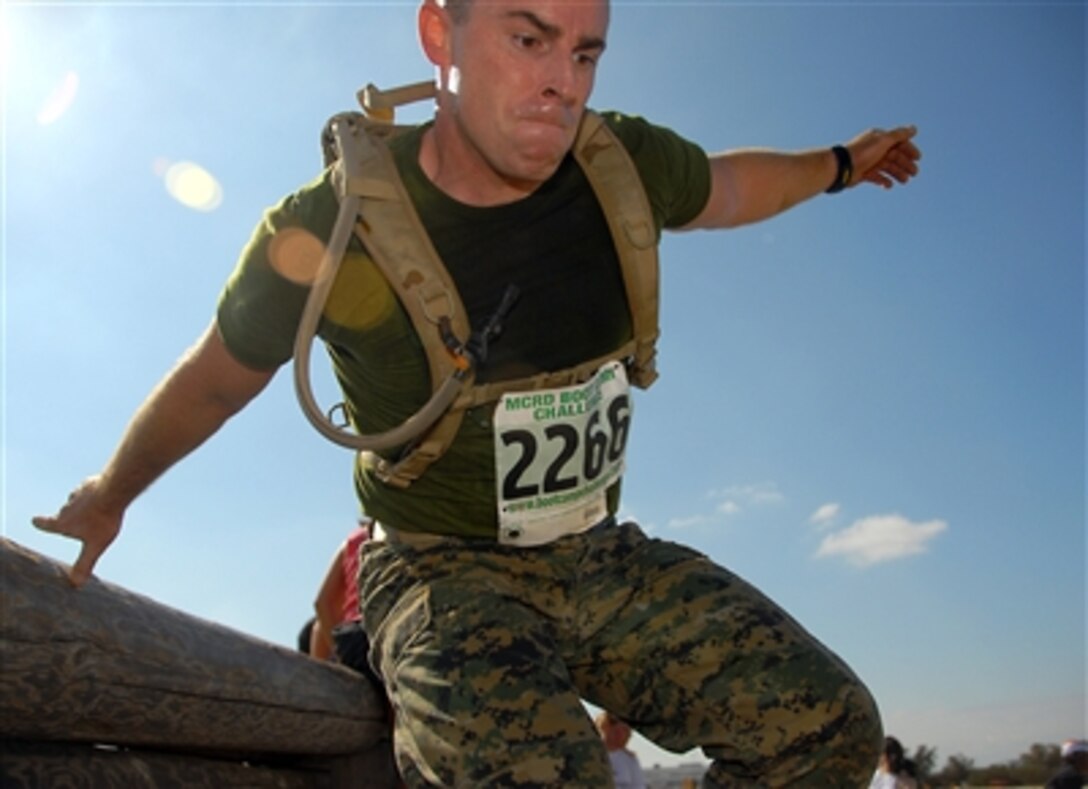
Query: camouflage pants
point(487, 651)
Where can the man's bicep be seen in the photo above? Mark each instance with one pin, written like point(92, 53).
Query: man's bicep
point(721, 201)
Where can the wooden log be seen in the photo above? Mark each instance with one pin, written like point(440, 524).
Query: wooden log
point(104, 665)
point(34, 765)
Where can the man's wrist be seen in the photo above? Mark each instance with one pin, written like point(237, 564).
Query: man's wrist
point(845, 171)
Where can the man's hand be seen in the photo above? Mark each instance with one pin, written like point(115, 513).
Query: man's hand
point(880, 156)
point(85, 518)
point(207, 386)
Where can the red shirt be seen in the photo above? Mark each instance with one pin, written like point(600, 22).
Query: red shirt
point(349, 565)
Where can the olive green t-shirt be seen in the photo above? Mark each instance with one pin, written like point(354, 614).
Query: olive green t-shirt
point(553, 245)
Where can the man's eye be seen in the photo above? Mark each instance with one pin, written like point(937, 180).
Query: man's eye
point(526, 42)
point(585, 60)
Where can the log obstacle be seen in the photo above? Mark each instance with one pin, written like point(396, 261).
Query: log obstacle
point(100, 686)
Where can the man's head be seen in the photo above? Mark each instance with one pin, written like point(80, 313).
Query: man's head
point(615, 732)
point(893, 755)
point(1076, 753)
point(514, 79)
point(304, 636)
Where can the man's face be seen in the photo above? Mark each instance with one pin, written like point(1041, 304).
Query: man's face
point(616, 735)
point(520, 74)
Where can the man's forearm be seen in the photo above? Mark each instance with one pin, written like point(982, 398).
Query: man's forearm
point(749, 185)
point(757, 184)
point(191, 403)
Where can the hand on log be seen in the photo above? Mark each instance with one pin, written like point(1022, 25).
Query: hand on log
point(87, 518)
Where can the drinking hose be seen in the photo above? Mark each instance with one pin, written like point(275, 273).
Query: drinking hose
point(442, 397)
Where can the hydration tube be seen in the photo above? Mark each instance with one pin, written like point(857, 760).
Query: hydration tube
point(442, 397)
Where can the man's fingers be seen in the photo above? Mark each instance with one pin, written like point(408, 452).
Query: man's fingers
point(910, 149)
point(44, 523)
point(81, 570)
point(54, 524)
point(88, 553)
point(878, 178)
point(886, 157)
point(94, 535)
point(902, 165)
point(898, 163)
point(903, 133)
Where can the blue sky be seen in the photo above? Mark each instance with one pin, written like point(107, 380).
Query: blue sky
point(871, 407)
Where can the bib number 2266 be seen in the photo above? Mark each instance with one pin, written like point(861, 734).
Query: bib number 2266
point(602, 442)
point(557, 450)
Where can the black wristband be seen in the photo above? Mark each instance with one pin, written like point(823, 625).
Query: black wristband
point(846, 169)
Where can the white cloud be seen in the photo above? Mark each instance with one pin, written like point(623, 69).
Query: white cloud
point(753, 494)
point(733, 500)
point(729, 507)
point(825, 513)
point(687, 523)
point(880, 538)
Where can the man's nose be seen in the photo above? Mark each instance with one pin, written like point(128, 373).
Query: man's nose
point(558, 80)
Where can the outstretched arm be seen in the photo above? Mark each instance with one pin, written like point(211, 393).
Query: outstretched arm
point(750, 185)
point(205, 388)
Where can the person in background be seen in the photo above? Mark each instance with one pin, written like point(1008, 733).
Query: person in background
point(338, 630)
point(337, 633)
point(891, 772)
point(304, 635)
point(626, 770)
point(1075, 768)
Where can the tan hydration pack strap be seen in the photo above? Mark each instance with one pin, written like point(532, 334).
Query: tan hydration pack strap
point(619, 190)
point(395, 238)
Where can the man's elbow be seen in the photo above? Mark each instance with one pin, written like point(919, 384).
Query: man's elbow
point(225, 383)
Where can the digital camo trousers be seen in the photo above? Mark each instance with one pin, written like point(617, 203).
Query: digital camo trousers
point(487, 651)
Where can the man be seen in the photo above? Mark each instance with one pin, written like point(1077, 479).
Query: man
point(337, 631)
point(615, 734)
point(893, 771)
point(1074, 771)
point(487, 647)
point(337, 603)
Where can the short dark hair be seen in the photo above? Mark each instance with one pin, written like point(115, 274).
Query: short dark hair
point(458, 9)
point(304, 636)
point(893, 752)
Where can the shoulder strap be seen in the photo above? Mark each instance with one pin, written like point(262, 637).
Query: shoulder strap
point(618, 187)
point(394, 236)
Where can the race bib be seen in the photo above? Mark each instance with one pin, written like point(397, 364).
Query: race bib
point(556, 453)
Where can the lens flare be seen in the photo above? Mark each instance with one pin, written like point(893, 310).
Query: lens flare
point(59, 100)
point(193, 186)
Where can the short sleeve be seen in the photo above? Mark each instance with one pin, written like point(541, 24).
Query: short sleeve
point(675, 171)
point(261, 304)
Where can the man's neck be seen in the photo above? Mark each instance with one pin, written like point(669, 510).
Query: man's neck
point(460, 171)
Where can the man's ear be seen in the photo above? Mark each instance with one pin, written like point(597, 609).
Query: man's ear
point(434, 32)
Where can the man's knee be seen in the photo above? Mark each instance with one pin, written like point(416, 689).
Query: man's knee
point(819, 737)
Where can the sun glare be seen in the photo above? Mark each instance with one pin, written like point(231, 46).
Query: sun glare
point(193, 186)
point(25, 77)
point(60, 99)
